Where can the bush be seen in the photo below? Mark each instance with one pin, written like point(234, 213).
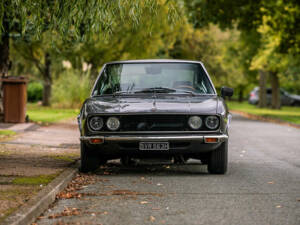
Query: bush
point(71, 89)
point(34, 92)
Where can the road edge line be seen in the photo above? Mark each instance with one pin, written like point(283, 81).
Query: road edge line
point(28, 212)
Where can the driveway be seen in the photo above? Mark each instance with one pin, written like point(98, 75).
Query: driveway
point(261, 187)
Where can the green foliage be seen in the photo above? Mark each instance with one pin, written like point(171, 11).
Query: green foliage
point(71, 89)
point(286, 113)
point(153, 35)
point(34, 91)
point(46, 115)
point(74, 20)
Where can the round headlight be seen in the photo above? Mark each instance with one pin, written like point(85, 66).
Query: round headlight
point(113, 123)
point(96, 123)
point(212, 122)
point(195, 122)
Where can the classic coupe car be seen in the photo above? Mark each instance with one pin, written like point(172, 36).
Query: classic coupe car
point(158, 109)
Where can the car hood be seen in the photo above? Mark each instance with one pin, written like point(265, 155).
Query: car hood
point(296, 97)
point(153, 104)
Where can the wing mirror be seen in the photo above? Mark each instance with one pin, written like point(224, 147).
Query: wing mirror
point(226, 91)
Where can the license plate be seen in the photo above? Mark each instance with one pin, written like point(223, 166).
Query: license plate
point(154, 146)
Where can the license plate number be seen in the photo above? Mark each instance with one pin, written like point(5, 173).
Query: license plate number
point(154, 146)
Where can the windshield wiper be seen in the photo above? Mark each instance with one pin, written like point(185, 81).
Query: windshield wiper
point(188, 92)
point(121, 93)
point(156, 90)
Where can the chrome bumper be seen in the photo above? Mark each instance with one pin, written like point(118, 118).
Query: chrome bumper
point(137, 138)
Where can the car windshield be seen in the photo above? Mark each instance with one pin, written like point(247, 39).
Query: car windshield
point(130, 78)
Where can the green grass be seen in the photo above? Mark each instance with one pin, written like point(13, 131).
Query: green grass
point(286, 113)
point(67, 158)
point(35, 180)
point(47, 115)
point(7, 133)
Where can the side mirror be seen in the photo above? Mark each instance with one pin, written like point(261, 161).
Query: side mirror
point(226, 91)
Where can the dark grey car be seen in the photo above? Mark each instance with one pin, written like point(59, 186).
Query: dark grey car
point(161, 109)
point(285, 97)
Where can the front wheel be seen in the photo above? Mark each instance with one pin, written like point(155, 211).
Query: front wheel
point(90, 161)
point(217, 163)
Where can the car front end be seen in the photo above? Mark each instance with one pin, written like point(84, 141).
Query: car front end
point(155, 122)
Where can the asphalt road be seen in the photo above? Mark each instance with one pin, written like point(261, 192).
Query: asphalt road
point(261, 187)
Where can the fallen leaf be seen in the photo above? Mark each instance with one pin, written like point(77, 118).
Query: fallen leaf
point(278, 206)
point(155, 208)
point(144, 202)
point(271, 182)
point(152, 218)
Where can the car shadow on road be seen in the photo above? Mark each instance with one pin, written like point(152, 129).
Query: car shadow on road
point(116, 168)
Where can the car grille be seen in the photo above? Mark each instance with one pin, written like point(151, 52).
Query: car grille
point(154, 123)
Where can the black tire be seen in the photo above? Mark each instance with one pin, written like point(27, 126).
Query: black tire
point(89, 159)
point(218, 161)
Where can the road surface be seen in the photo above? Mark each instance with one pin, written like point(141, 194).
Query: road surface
point(261, 187)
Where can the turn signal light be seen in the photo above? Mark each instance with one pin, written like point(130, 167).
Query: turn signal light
point(96, 140)
point(211, 140)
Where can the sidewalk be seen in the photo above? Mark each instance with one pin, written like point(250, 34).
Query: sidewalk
point(34, 157)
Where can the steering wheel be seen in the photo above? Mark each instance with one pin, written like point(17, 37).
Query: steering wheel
point(186, 87)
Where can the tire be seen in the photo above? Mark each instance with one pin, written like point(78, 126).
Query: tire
point(89, 159)
point(218, 161)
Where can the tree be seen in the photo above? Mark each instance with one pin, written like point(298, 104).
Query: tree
point(150, 37)
point(280, 30)
point(71, 20)
point(280, 18)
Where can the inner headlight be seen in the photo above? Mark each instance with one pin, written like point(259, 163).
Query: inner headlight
point(212, 122)
point(96, 123)
point(113, 123)
point(195, 122)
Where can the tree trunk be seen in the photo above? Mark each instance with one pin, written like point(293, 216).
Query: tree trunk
point(275, 90)
point(47, 81)
point(241, 93)
point(262, 89)
point(4, 58)
point(4, 55)
point(94, 72)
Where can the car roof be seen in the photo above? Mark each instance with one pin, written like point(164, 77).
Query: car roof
point(155, 61)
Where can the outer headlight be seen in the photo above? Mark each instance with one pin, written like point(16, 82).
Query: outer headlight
point(113, 123)
point(96, 123)
point(212, 122)
point(195, 122)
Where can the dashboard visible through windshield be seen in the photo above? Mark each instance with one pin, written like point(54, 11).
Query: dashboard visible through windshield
point(130, 78)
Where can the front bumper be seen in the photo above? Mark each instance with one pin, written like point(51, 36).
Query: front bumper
point(114, 146)
point(136, 138)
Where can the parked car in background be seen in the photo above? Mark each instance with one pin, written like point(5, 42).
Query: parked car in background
point(285, 97)
point(158, 109)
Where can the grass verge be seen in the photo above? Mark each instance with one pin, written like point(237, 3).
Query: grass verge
point(35, 180)
point(47, 115)
point(286, 113)
point(6, 134)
